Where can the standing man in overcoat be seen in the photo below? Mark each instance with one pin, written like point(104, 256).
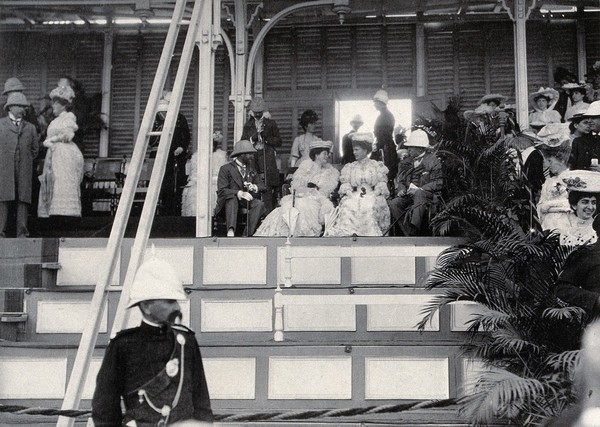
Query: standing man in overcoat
point(154, 370)
point(18, 148)
point(384, 135)
point(264, 134)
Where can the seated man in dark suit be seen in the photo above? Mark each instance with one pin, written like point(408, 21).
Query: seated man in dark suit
point(239, 183)
point(419, 177)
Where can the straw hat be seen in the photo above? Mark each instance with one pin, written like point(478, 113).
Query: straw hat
point(554, 134)
point(320, 144)
point(548, 92)
point(492, 97)
point(582, 180)
point(242, 147)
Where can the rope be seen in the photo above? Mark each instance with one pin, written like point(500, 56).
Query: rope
point(257, 416)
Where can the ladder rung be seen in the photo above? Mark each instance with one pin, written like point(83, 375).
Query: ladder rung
point(157, 133)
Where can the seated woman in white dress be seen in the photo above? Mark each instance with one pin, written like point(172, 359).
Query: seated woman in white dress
point(363, 209)
point(312, 184)
point(543, 102)
point(584, 191)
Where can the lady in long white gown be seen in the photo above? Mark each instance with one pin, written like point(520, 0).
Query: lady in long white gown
point(363, 209)
point(60, 191)
point(312, 184)
point(188, 196)
point(553, 204)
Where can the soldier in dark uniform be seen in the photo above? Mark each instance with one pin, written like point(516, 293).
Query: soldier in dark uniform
point(263, 133)
point(155, 369)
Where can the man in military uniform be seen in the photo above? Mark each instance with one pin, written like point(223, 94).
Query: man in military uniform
point(155, 369)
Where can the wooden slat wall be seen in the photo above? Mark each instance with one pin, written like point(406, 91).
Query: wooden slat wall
point(400, 55)
point(338, 51)
point(592, 43)
point(471, 63)
point(369, 57)
point(439, 56)
point(501, 63)
point(124, 81)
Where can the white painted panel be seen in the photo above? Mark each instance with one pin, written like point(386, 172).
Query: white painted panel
point(310, 378)
point(230, 378)
point(180, 257)
point(34, 378)
point(402, 316)
point(134, 317)
point(462, 313)
point(236, 315)
point(406, 378)
point(319, 317)
point(311, 271)
point(81, 266)
point(472, 369)
point(90, 379)
point(235, 266)
point(65, 317)
point(383, 270)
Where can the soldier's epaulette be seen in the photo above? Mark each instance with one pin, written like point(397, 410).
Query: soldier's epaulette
point(125, 332)
point(182, 328)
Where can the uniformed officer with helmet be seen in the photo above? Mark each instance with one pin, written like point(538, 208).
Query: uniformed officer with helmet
point(155, 369)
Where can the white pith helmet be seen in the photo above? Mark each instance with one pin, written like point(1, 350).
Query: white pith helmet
point(417, 138)
point(156, 279)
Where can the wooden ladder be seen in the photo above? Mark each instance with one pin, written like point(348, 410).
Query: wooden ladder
point(90, 333)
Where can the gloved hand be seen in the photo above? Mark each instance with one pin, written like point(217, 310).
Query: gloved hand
point(244, 195)
point(251, 187)
point(178, 151)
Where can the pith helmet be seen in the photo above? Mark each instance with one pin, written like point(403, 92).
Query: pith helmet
point(417, 138)
point(242, 147)
point(16, 98)
point(258, 104)
point(13, 84)
point(156, 279)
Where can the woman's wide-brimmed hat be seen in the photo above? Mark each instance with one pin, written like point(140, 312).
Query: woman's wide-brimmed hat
point(357, 119)
point(492, 97)
point(319, 143)
point(242, 147)
point(63, 92)
point(569, 87)
point(548, 92)
point(363, 139)
point(582, 180)
point(16, 98)
point(554, 134)
point(13, 84)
